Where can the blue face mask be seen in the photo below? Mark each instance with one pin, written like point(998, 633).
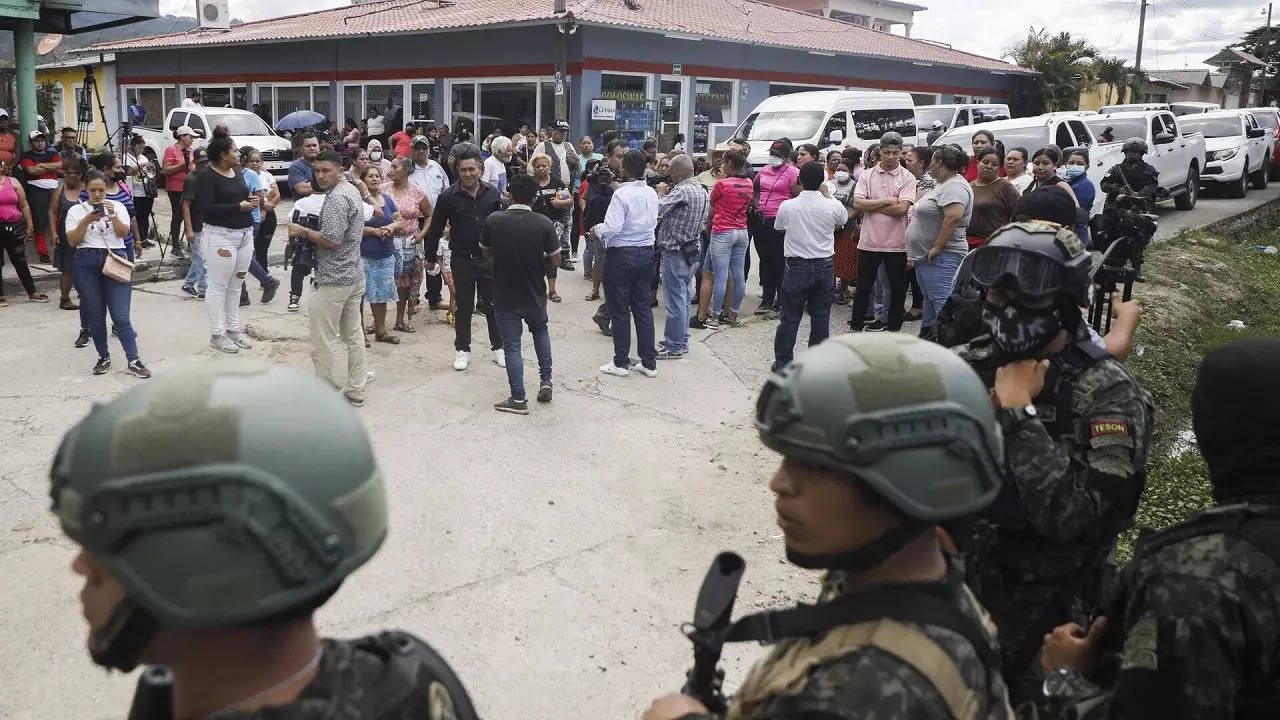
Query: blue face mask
point(1071, 172)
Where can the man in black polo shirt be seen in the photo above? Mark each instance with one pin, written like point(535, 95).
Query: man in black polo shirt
point(522, 243)
point(464, 206)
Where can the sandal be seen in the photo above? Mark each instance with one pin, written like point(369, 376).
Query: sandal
point(387, 338)
point(68, 305)
point(593, 296)
point(448, 317)
point(404, 328)
point(38, 297)
point(554, 297)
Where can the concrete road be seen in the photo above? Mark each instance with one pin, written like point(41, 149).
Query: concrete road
point(1210, 208)
point(551, 558)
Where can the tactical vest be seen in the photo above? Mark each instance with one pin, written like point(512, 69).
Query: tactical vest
point(1256, 524)
point(785, 671)
point(417, 682)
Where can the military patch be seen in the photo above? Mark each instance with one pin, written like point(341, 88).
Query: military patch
point(1047, 413)
point(1105, 433)
point(1140, 646)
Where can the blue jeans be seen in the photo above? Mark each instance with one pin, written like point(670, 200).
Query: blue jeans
point(100, 295)
point(936, 278)
point(728, 257)
point(677, 281)
point(196, 276)
point(509, 326)
point(628, 278)
point(808, 282)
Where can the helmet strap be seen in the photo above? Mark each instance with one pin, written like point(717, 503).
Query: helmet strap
point(119, 643)
point(867, 556)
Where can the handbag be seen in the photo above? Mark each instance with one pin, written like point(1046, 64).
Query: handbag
point(117, 268)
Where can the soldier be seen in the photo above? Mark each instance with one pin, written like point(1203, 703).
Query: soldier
point(1194, 629)
point(1076, 428)
point(1132, 176)
point(882, 437)
point(216, 509)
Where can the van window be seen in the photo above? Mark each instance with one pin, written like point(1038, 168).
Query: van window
point(1063, 137)
point(177, 120)
point(1080, 131)
point(871, 124)
point(837, 121)
point(771, 125)
point(989, 114)
point(926, 117)
point(962, 118)
point(197, 123)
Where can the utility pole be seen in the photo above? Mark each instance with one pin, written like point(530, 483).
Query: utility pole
point(1267, 59)
point(1142, 24)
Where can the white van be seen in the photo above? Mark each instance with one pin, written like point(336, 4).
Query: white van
point(830, 119)
point(1132, 107)
point(1193, 108)
point(954, 116)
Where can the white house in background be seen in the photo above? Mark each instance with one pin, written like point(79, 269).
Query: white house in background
point(880, 15)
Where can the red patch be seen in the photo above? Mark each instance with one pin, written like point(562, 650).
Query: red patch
point(1109, 427)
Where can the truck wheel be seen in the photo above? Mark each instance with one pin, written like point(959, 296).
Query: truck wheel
point(1191, 193)
point(1238, 188)
point(1259, 177)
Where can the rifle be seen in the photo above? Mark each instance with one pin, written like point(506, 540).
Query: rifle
point(153, 699)
point(710, 625)
point(1130, 225)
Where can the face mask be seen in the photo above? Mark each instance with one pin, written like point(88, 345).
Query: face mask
point(375, 156)
point(1020, 332)
point(842, 176)
point(1132, 160)
point(1071, 172)
point(774, 161)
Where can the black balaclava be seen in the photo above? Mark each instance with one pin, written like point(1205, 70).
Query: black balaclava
point(1235, 412)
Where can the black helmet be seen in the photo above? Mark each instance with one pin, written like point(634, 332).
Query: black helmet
point(1134, 144)
point(1040, 260)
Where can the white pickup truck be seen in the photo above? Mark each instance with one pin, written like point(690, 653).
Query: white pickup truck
point(1033, 133)
point(1239, 150)
point(246, 129)
point(1173, 149)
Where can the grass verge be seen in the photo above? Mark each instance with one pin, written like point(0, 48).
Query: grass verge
point(1197, 283)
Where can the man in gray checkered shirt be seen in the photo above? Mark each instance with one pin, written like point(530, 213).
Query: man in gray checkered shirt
point(682, 218)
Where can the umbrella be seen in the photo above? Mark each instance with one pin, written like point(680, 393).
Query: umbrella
point(299, 119)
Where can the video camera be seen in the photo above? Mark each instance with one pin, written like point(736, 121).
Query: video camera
point(603, 175)
point(654, 181)
point(1128, 226)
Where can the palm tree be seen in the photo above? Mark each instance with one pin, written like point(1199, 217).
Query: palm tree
point(1117, 76)
point(1065, 65)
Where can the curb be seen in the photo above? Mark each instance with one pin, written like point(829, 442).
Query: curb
point(147, 270)
point(1244, 217)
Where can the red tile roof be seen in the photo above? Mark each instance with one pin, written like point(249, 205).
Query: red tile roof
point(732, 20)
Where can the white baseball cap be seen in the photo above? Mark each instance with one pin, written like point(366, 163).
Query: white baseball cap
point(183, 130)
point(4, 113)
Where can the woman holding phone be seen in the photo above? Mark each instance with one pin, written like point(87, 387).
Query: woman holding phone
point(227, 206)
point(96, 228)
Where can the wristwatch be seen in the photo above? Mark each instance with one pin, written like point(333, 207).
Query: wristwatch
point(1011, 418)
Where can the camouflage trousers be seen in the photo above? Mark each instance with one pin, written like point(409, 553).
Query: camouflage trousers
point(1025, 614)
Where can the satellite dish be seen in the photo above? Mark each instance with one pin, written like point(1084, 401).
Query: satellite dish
point(48, 43)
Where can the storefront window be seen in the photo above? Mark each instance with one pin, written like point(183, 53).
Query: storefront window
point(504, 107)
point(377, 96)
point(240, 97)
point(623, 87)
point(352, 104)
point(422, 102)
point(219, 96)
point(320, 102)
point(152, 100)
point(714, 99)
point(289, 99)
point(462, 108)
point(669, 106)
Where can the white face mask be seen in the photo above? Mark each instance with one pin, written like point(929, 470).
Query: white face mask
point(775, 161)
point(842, 176)
point(375, 156)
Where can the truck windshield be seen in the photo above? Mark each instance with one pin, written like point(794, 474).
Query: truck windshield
point(238, 124)
point(926, 117)
point(1211, 127)
point(1031, 138)
point(1121, 128)
point(798, 125)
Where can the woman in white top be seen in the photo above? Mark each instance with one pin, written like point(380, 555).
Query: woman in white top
point(96, 228)
point(1015, 168)
point(267, 225)
point(495, 168)
point(375, 126)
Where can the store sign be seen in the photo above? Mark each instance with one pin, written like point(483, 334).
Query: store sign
point(623, 94)
point(604, 109)
point(676, 68)
point(714, 100)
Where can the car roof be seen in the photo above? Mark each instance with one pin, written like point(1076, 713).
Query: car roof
point(826, 99)
point(961, 105)
point(1235, 112)
point(1127, 114)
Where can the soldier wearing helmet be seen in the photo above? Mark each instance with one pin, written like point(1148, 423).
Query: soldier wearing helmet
point(882, 437)
point(1076, 429)
point(216, 509)
point(1132, 176)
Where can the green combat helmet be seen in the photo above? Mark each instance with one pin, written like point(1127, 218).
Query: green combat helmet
point(220, 494)
point(906, 417)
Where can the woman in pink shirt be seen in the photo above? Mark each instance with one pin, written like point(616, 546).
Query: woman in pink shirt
point(175, 166)
point(730, 199)
point(776, 182)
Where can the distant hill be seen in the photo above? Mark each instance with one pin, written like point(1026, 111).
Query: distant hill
point(158, 26)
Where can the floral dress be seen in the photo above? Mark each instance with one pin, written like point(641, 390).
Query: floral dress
point(408, 252)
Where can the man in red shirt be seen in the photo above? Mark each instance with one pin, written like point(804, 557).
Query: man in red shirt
point(402, 142)
point(41, 165)
point(176, 164)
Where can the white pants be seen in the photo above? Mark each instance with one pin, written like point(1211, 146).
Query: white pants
point(227, 253)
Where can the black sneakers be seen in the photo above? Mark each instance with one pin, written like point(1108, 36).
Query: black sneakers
point(293, 303)
point(102, 366)
point(511, 405)
point(544, 391)
point(84, 338)
point(269, 292)
point(138, 369)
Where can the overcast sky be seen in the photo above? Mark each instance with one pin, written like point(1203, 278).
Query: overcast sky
point(1179, 33)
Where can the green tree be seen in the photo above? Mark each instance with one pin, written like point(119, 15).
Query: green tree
point(1065, 67)
point(45, 94)
point(1264, 43)
point(1121, 80)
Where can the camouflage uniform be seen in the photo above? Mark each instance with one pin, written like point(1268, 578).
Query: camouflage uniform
point(1197, 630)
point(1076, 472)
point(1140, 177)
point(868, 683)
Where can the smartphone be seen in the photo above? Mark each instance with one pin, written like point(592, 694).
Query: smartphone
point(100, 208)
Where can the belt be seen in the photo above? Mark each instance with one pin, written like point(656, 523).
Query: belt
point(810, 261)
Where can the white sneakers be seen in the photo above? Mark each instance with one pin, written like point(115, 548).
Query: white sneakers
point(240, 339)
point(500, 358)
point(640, 368)
point(610, 369)
point(461, 360)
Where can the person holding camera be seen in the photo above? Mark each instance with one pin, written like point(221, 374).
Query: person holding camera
point(227, 207)
point(97, 229)
point(142, 184)
point(175, 165)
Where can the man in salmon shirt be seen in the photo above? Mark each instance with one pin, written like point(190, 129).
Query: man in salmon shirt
point(884, 194)
point(402, 142)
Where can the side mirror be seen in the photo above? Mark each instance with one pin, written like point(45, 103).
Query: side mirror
point(1257, 132)
point(835, 136)
point(198, 133)
point(1164, 138)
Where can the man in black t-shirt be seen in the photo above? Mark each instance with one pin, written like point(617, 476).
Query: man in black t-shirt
point(522, 244)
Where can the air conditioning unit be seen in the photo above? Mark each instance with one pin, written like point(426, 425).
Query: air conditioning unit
point(213, 14)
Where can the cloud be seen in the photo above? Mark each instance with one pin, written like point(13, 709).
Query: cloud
point(250, 10)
